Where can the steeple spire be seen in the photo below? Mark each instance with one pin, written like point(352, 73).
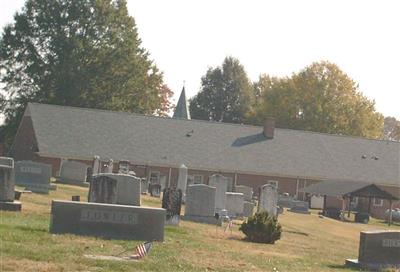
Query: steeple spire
point(182, 108)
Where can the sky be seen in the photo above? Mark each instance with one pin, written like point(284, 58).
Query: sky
point(278, 38)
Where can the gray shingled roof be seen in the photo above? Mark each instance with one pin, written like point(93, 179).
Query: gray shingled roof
point(345, 188)
point(82, 133)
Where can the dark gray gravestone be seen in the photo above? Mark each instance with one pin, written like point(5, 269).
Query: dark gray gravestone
point(172, 203)
point(34, 176)
point(115, 189)
point(103, 189)
point(7, 185)
point(300, 207)
point(378, 249)
point(107, 220)
point(155, 190)
point(128, 188)
point(285, 201)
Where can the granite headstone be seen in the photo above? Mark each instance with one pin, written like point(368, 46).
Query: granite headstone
point(300, 207)
point(200, 204)
point(107, 220)
point(378, 250)
point(34, 176)
point(73, 172)
point(7, 185)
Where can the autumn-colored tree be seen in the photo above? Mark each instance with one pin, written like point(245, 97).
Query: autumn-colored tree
point(319, 98)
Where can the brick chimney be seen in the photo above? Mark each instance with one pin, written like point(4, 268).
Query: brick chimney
point(269, 127)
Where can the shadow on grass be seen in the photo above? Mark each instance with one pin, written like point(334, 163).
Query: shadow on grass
point(342, 267)
point(296, 232)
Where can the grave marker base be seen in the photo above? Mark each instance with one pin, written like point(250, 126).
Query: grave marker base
point(11, 206)
point(107, 220)
point(355, 263)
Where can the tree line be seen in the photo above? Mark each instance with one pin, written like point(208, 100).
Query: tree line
point(320, 98)
point(88, 53)
point(83, 53)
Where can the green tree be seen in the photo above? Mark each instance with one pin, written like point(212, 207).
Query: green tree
point(80, 53)
point(319, 98)
point(391, 129)
point(225, 94)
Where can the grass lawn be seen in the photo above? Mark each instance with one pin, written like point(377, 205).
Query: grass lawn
point(308, 243)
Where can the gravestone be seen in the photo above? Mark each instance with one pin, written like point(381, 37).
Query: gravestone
point(182, 181)
point(89, 174)
point(221, 184)
point(234, 204)
point(96, 167)
point(144, 185)
point(123, 167)
point(34, 176)
point(163, 182)
point(317, 202)
point(110, 166)
point(285, 201)
point(299, 207)
point(107, 220)
point(268, 199)
point(172, 203)
point(248, 209)
point(7, 185)
point(103, 189)
point(377, 250)
point(73, 172)
point(231, 184)
point(246, 191)
point(115, 189)
point(155, 190)
point(200, 204)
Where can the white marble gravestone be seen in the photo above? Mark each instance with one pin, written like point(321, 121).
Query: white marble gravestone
point(234, 204)
point(73, 172)
point(268, 199)
point(221, 184)
point(246, 191)
point(182, 181)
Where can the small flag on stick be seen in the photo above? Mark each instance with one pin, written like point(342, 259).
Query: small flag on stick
point(142, 250)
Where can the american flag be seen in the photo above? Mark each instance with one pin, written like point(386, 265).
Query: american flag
point(143, 249)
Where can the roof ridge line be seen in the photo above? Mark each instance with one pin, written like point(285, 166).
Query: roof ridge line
point(214, 122)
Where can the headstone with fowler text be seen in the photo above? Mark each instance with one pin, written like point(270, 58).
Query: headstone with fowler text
point(107, 220)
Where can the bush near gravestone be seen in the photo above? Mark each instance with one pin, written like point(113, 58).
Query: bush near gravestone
point(262, 228)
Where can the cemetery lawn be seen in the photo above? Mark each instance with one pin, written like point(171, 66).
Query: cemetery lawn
point(308, 243)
